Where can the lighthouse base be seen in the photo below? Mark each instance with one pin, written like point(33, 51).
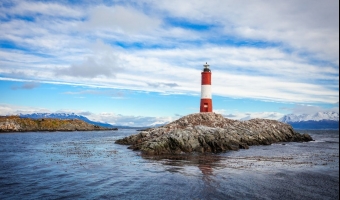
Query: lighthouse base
point(206, 105)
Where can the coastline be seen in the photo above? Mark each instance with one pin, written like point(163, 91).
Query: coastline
point(18, 124)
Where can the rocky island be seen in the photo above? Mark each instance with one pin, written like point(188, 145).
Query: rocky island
point(211, 132)
point(17, 124)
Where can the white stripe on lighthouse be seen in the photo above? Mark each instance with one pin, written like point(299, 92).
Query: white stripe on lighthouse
point(205, 91)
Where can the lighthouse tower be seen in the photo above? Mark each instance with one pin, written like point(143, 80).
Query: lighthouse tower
point(206, 101)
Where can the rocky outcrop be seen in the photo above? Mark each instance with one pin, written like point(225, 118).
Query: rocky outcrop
point(211, 132)
point(17, 124)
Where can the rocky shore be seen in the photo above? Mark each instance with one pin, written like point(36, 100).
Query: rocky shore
point(211, 132)
point(17, 124)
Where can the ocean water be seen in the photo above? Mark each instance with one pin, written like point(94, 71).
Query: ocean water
point(88, 165)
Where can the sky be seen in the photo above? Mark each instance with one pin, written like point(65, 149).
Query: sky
point(139, 62)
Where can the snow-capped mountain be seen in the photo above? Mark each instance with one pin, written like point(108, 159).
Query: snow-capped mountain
point(319, 116)
point(319, 120)
point(63, 116)
point(53, 115)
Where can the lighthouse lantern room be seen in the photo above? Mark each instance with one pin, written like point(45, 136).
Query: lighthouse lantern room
point(206, 100)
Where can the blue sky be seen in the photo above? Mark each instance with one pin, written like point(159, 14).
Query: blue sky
point(138, 62)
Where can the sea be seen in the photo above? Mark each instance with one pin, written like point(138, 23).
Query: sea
point(89, 165)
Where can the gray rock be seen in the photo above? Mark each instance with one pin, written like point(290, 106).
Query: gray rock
point(211, 132)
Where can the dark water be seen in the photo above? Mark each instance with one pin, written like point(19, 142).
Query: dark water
point(88, 165)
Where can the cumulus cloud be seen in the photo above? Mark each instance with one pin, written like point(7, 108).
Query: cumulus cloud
point(91, 67)
point(102, 61)
point(121, 19)
point(313, 28)
point(234, 74)
point(270, 55)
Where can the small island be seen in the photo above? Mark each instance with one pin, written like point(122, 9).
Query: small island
point(211, 132)
point(18, 124)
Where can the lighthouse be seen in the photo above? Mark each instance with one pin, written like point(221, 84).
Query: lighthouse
point(206, 101)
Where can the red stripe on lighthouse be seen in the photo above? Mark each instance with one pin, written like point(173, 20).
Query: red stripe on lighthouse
point(206, 105)
point(206, 78)
point(206, 101)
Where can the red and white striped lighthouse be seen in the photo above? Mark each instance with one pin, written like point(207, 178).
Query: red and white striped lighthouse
point(206, 101)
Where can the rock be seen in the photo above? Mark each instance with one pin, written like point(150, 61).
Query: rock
point(17, 124)
point(211, 132)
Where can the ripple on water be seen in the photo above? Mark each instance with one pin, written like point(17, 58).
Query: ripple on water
point(89, 165)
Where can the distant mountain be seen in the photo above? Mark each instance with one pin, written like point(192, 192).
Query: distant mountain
point(319, 116)
point(319, 120)
point(64, 116)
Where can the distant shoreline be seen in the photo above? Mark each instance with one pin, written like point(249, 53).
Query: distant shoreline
point(18, 124)
point(48, 131)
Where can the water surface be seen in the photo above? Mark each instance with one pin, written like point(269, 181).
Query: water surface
point(88, 165)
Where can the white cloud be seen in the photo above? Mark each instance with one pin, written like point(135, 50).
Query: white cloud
point(7, 109)
point(236, 115)
point(311, 109)
point(266, 73)
point(80, 44)
point(92, 66)
point(304, 25)
point(134, 121)
point(44, 8)
point(120, 19)
point(102, 61)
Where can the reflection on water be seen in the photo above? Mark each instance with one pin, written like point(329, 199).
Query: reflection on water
point(90, 165)
point(180, 163)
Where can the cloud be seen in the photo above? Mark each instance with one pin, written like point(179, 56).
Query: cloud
point(25, 8)
point(238, 76)
point(237, 115)
point(90, 68)
point(133, 121)
point(260, 115)
point(8, 109)
point(230, 116)
point(84, 113)
point(263, 50)
point(311, 109)
point(156, 85)
point(313, 28)
point(103, 61)
point(26, 86)
point(111, 93)
point(120, 19)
